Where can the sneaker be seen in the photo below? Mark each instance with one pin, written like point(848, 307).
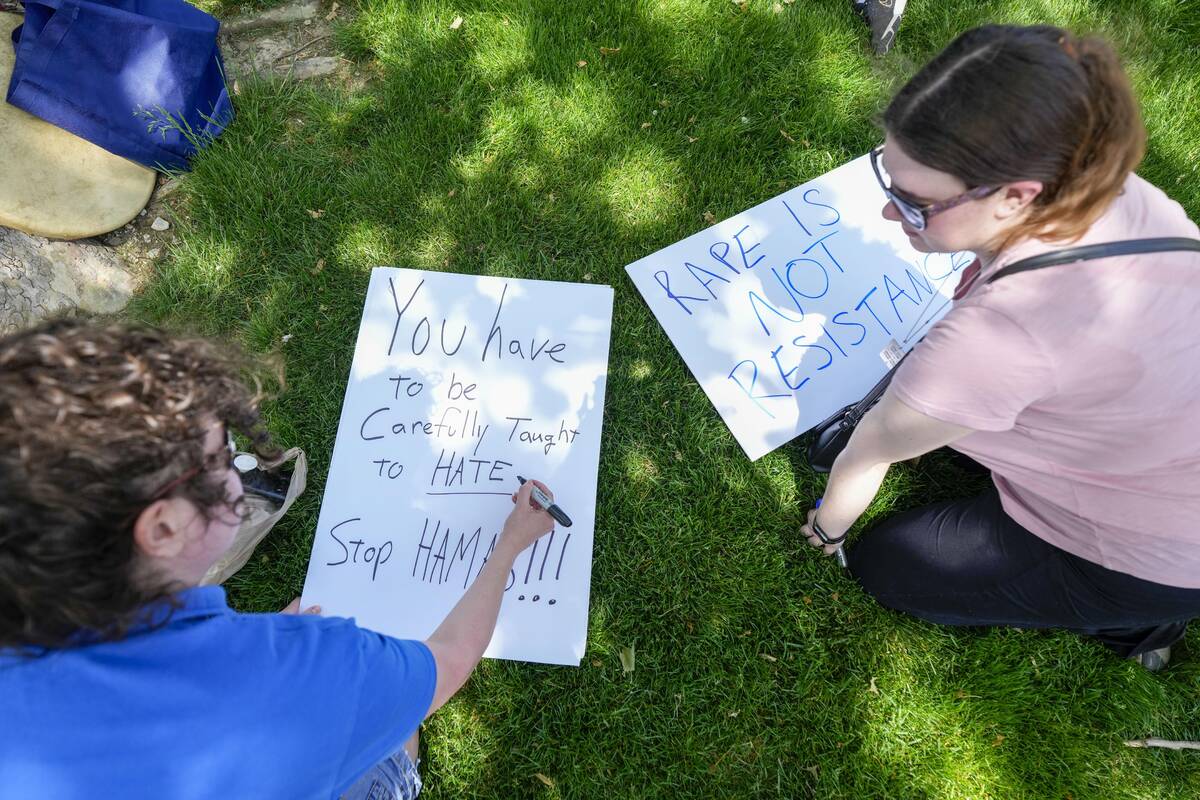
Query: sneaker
point(884, 18)
point(1154, 660)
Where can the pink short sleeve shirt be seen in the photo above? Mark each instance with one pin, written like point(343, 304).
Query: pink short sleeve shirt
point(1082, 384)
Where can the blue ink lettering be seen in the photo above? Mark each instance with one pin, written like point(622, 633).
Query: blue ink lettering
point(836, 216)
point(821, 243)
point(749, 390)
point(864, 302)
point(912, 279)
point(835, 341)
point(803, 227)
point(897, 294)
point(824, 276)
point(785, 374)
point(737, 237)
point(692, 268)
point(791, 292)
point(664, 281)
point(859, 325)
point(756, 301)
point(828, 355)
point(712, 251)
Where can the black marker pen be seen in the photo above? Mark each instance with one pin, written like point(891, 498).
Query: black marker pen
point(548, 505)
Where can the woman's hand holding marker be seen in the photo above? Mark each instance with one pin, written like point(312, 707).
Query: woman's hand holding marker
point(817, 537)
point(543, 500)
point(528, 520)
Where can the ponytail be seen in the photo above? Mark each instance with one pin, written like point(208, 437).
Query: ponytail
point(1111, 146)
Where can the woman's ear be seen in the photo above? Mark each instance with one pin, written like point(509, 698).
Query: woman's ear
point(160, 530)
point(1014, 198)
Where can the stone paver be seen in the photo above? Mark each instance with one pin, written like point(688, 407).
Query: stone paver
point(39, 278)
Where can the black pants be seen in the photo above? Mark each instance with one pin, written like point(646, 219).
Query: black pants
point(966, 562)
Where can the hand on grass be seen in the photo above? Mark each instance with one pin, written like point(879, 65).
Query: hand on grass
point(294, 608)
point(528, 521)
point(814, 540)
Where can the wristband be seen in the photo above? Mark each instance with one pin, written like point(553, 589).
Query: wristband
point(824, 537)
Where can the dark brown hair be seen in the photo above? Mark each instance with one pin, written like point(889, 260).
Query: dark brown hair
point(96, 421)
point(1004, 103)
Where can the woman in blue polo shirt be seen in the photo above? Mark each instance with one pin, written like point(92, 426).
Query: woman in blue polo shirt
point(119, 676)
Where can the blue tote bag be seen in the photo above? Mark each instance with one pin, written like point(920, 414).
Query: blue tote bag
point(140, 78)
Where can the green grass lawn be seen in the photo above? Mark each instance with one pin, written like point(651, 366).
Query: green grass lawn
point(761, 669)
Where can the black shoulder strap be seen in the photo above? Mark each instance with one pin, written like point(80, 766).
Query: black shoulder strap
point(1088, 252)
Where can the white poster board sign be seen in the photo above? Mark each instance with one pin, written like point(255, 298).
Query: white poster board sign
point(795, 308)
point(459, 384)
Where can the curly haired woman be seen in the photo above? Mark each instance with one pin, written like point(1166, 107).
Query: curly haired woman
point(119, 675)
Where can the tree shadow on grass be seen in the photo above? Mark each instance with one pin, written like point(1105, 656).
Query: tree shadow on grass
point(489, 150)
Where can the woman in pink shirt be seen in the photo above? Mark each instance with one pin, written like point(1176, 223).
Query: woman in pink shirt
point(1077, 385)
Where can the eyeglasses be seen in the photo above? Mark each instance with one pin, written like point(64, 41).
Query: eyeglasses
point(230, 446)
point(240, 463)
point(916, 214)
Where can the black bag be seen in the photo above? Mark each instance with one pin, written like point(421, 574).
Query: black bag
point(831, 436)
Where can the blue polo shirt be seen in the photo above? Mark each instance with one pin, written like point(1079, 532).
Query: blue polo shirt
point(216, 704)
